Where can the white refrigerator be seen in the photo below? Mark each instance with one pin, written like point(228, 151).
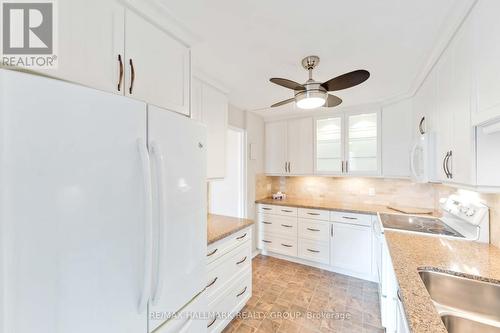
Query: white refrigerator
point(94, 221)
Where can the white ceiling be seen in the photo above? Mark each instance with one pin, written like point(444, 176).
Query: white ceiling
point(245, 42)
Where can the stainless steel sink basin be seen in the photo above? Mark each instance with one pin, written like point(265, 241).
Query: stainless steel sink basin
point(465, 305)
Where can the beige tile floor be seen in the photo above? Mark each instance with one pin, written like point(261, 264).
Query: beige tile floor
point(292, 298)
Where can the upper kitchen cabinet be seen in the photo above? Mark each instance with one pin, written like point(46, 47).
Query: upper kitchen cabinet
point(424, 106)
point(396, 138)
point(210, 106)
point(91, 44)
point(348, 144)
point(454, 131)
point(329, 145)
point(486, 53)
point(363, 144)
point(289, 147)
point(158, 67)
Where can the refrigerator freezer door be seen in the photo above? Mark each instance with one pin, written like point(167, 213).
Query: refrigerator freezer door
point(178, 156)
point(72, 208)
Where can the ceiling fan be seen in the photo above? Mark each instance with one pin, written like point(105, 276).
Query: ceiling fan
point(314, 94)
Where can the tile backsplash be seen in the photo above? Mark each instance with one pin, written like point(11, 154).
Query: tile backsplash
point(379, 191)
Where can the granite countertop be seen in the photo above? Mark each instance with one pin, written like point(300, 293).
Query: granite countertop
point(220, 226)
point(363, 208)
point(409, 252)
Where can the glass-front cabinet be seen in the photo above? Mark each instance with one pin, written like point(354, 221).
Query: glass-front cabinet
point(348, 144)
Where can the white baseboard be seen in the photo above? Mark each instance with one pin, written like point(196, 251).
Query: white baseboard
point(255, 253)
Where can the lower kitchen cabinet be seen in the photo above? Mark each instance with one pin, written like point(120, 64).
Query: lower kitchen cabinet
point(229, 284)
point(331, 240)
point(351, 248)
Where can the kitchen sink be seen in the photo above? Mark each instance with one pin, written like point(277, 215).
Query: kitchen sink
point(465, 305)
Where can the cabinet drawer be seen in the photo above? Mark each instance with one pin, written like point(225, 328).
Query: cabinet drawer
point(287, 211)
point(229, 303)
point(223, 246)
point(266, 209)
point(314, 251)
point(316, 214)
point(314, 230)
point(282, 225)
point(226, 268)
point(278, 244)
point(352, 218)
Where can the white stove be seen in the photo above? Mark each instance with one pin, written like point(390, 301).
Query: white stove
point(461, 219)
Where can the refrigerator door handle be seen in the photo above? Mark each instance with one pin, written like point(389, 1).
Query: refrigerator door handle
point(148, 225)
point(157, 155)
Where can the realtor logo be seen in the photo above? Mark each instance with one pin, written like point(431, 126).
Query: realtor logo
point(28, 34)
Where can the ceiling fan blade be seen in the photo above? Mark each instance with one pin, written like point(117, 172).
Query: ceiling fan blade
point(286, 101)
point(287, 83)
point(346, 80)
point(332, 101)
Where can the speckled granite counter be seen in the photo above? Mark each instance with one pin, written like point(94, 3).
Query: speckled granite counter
point(331, 205)
point(410, 252)
point(219, 226)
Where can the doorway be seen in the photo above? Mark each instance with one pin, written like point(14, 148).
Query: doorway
point(228, 195)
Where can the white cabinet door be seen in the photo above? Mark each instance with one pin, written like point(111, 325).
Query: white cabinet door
point(351, 248)
point(90, 38)
point(214, 107)
point(486, 29)
point(362, 153)
point(424, 106)
point(276, 147)
point(329, 145)
point(75, 258)
point(444, 113)
point(157, 65)
point(396, 139)
point(461, 165)
point(196, 99)
point(300, 146)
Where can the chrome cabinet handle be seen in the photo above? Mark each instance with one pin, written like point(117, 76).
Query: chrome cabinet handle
point(266, 241)
point(287, 211)
point(266, 222)
point(420, 126)
point(346, 166)
point(312, 229)
point(242, 236)
point(450, 156)
point(211, 253)
point(349, 218)
point(241, 261)
point(399, 295)
point(212, 322)
point(266, 208)
point(132, 76)
point(289, 168)
point(314, 214)
point(313, 251)
point(286, 245)
point(120, 78)
point(285, 167)
point(445, 160)
point(331, 230)
point(242, 292)
point(342, 166)
point(287, 225)
point(211, 283)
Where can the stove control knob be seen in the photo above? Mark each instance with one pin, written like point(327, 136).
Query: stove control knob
point(470, 212)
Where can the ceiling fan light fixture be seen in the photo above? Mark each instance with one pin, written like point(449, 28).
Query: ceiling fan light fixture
point(310, 99)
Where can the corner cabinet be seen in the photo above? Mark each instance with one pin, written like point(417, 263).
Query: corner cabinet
point(289, 147)
point(210, 106)
point(348, 144)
